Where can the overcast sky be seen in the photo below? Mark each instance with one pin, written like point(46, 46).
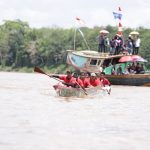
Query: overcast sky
point(62, 13)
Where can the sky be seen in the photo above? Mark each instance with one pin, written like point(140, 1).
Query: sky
point(62, 13)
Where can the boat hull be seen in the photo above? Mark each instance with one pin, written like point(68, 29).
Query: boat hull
point(130, 79)
point(90, 61)
point(64, 91)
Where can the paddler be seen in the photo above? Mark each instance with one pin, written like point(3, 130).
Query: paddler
point(68, 79)
point(94, 81)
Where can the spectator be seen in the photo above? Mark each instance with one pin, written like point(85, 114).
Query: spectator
point(137, 45)
point(101, 40)
point(129, 45)
point(142, 69)
point(137, 68)
point(119, 70)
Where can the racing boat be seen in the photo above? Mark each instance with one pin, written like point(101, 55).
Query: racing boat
point(65, 91)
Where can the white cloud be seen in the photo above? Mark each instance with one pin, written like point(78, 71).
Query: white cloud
point(62, 13)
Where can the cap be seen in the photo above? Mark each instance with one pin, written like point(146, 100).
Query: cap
point(93, 74)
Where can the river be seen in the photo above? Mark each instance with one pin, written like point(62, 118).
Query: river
point(33, 117)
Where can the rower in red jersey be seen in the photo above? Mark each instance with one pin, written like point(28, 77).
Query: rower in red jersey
point(94, 81)
point(104, 81)
point(85, 80)
point(68, 79)
point(78, 80)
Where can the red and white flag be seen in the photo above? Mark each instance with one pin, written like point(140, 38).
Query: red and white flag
point(80, 21)
point(120, 29)
point(119, 9)
point(120, 24)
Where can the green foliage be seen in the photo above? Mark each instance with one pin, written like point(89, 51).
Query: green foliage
point(25, 47)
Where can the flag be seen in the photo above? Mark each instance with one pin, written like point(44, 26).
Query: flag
point(120, 25)
point(120, 29)
point(117, 15)
point(119, 9)
point(80, 21)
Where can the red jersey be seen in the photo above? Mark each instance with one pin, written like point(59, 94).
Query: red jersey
point(105, 81)
point(86, 83)
point(95, 82)
point(70, 80)
point(79, 81)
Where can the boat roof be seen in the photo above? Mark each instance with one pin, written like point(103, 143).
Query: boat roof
point(94, 54)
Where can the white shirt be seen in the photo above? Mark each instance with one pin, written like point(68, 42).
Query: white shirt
point(137, 43)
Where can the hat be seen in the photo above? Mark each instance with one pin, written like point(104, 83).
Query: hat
point(93, 74)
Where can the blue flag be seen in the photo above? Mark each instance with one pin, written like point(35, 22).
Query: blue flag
point(117, 15)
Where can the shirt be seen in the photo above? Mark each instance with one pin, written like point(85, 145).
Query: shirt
point(65, 79)
point(86, 83)
point(95, 82)
point(105, 82)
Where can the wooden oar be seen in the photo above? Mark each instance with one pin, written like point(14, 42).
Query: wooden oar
point(37, 69)
point(83, 89)
point(106, 89)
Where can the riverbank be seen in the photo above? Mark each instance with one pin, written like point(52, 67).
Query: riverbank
point(60, 68)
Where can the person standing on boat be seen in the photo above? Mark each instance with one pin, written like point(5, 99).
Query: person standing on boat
point(68, 79)
point(130, 45)
point(94, 81)
point(137, 45)
point(112, 46)
point(118, 44)
point(107, 44)
point(101, 40)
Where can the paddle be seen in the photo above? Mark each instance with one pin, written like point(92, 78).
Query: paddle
point(37, 69)
point(108, 89)
point(83, 89)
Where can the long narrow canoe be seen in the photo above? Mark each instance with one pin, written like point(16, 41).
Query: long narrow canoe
point(64, 91)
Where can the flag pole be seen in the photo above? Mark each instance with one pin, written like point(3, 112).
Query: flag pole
point(84, 38)
point(75, 32)
point(80, 22)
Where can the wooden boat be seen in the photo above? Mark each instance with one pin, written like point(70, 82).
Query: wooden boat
point(130, 79)
point(89, 60)
point(92, 61)
point(64, 91)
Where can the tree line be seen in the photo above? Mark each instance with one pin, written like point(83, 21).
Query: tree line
point(23, 46)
